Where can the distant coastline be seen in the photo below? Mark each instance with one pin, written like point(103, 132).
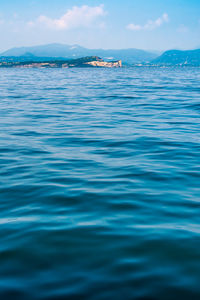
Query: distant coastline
point(65, 56)
point(84, 62)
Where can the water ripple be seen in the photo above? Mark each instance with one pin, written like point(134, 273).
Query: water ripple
point(99, 193)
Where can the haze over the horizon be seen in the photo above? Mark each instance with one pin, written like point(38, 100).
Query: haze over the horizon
point(142, 24)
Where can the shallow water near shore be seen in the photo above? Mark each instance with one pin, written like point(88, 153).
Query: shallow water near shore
point(100, 183)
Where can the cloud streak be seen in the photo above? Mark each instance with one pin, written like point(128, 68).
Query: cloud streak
point(76, 17)
point(183, 29)
point(150, 25)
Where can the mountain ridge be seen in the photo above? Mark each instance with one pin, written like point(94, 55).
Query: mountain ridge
point(130, 55)
point(179, 58)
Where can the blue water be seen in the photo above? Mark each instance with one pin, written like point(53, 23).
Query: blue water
point(100, 184)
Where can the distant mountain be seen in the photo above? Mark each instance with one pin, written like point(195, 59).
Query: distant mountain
point(51, 50)
point(179, 58)
point(30, 57)
point(76, 51)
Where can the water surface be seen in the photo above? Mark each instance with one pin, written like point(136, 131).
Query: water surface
point(100, 184)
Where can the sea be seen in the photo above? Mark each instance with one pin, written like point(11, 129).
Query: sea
point(100, 184)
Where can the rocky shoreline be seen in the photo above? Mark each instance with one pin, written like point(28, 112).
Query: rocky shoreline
point(91, 61)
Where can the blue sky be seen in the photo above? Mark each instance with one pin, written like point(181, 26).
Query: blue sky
point(144, 24)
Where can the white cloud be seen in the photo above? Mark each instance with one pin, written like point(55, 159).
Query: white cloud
point(150, 25)
point(183, 29)
point(134, 27)
point(76, 17)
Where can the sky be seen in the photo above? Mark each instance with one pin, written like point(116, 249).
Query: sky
point(109, 24)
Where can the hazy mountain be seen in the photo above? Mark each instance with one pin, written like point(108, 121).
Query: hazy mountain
point(76, 51)
point(179, 57)
point(28, 57)
point(51, 50)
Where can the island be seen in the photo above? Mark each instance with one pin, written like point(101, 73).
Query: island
point(89, 61)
